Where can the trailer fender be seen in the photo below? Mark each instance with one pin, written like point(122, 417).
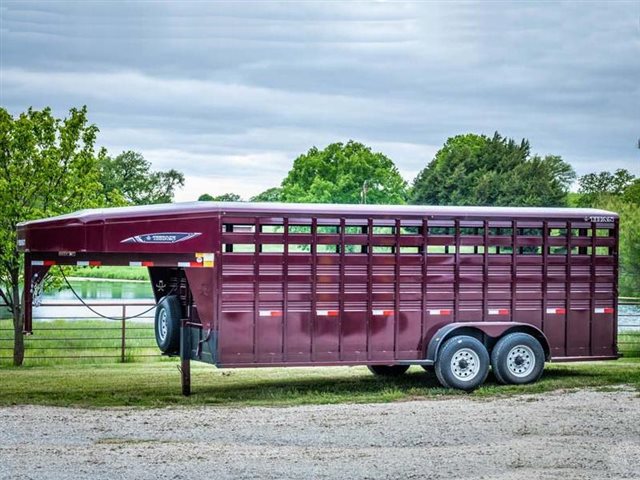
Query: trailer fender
point(486, 332)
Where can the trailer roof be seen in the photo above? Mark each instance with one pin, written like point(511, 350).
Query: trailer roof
point(268, 208)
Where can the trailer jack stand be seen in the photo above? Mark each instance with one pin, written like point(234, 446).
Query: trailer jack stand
point(185, 358)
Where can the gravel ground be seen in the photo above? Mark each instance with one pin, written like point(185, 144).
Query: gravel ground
point(583, 434)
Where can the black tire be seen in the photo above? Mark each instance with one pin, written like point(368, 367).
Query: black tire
point(388, 370)
point(462, 363)
point(167, 324)
point(517, 358)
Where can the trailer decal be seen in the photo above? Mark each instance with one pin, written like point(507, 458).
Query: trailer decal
point(207, 259)
point(386, 313)
point(162, 237)
point(270, 313)
point(604, 310)
point(498, 311)
point(141, 264)
point(327, 313)
point(88, 263)
point(42, 263)
point(556, 311)
point(445, 311)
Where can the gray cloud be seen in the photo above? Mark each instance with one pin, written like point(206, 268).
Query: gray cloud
point(231, 93)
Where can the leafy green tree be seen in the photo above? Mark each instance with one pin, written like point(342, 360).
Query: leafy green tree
point(343, 173)
point(129, 177)
point(629, 246)
point(632, 192)
point(479, 170)
point(594, 185)
point(225, 197)
point(48, 166)
point(273, 194)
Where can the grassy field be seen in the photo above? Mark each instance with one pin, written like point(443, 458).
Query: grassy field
point(157, 384)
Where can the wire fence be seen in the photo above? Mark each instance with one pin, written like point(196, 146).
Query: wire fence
point(67, 331)
point(64, 331)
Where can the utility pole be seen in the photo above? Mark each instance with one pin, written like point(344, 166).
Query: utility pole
point(363, 194)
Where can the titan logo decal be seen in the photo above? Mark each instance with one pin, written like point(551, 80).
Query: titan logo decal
point(599, 219)
point(162, 237)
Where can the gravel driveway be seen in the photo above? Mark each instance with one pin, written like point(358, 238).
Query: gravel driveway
point(584, 434)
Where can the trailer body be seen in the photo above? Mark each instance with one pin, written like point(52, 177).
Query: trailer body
point(292, 284)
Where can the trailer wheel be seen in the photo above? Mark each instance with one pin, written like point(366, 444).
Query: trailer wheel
point(462, 363)
point(517, 358)
point(167, 324)
point(388, 370)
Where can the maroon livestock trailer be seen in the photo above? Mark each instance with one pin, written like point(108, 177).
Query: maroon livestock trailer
point(455, 289)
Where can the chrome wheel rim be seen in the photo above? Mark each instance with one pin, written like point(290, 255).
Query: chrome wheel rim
point(521, 361)
point(465, 364)
point(162, 325)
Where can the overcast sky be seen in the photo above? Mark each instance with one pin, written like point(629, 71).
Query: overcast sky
point(231, 93)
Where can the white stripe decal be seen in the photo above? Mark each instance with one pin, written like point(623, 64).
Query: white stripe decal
point(135, 264)
point(184, 264)
point(37, 263)
point(82, 263)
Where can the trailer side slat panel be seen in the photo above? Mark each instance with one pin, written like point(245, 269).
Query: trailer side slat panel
point(350, 285)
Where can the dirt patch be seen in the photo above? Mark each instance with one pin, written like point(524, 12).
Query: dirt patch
point(582, 434)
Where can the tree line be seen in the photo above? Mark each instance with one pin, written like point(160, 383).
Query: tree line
point(50, 166)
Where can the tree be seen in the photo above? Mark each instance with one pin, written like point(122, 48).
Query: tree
point(273, 194)
point(594, 185)
point(225, 197)
point(343, 173)
point(47, 167)
point(632, 192)
point(478, 170)
point(629, 242)
point(129, 177)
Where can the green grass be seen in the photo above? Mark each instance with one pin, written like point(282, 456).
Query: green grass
point(157, 384)
point(629, 344)
point(113, 273)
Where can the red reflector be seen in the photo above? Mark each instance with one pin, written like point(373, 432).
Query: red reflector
point(147, 264)
point(332, 313)
point(48, 263)
point(561, 311)
point(445, 312)
point(94, 263)
point(608, 310)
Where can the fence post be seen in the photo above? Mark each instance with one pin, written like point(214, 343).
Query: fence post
point(123, 344)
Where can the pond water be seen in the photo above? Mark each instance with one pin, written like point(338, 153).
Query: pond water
point(92, 290)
